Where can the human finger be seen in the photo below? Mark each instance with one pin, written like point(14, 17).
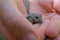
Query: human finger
point(53, 27)
point(5, 32)
point(47, 5)
point(14, 20)
point(57, 6)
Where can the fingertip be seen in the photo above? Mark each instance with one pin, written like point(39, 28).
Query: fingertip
point(52, 31)
point(30, 36)
point(57, 38)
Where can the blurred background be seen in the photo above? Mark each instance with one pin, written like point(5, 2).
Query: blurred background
point(26, 4)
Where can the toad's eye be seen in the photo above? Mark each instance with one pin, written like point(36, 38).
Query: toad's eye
point(36, 17)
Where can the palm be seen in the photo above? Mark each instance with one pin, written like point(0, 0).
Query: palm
point(50, 18)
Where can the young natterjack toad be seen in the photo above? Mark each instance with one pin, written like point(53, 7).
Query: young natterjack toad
point(35, 18)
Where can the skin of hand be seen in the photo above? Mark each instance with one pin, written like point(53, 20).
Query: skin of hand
point(50, 10)
point(21, 7)
point(50, 26)
point(14, 21)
